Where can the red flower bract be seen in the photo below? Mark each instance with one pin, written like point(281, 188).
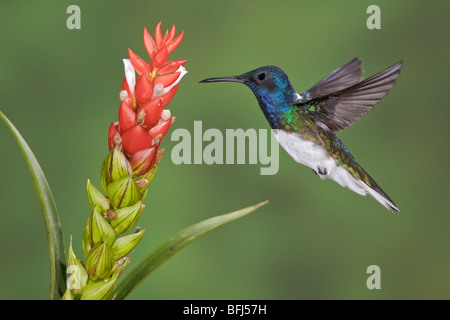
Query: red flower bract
point(142, 123)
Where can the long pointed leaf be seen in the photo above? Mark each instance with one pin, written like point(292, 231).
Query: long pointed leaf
point(49, 213)
point(168, 248)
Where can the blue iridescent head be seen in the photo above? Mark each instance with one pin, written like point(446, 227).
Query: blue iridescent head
point(271, 87)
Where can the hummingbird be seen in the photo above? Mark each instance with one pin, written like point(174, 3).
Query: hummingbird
point(305, 124)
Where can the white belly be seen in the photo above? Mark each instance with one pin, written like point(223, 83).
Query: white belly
point(317, 158)
point(305, 151)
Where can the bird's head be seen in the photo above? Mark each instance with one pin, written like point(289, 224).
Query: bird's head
point(269, 84)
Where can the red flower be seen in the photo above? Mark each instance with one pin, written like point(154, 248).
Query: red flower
point(143, 122)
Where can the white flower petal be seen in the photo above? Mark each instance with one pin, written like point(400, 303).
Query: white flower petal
point(130, 74)
point(123, 95)
point(182, 70)
point(158, 90)
point(166, 114)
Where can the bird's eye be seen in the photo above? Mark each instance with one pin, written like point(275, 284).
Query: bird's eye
point(261, 76)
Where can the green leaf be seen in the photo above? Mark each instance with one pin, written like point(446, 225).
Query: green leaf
point(49, 213)
point(168, 248)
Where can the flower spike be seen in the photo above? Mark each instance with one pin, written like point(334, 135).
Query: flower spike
point(127, 171)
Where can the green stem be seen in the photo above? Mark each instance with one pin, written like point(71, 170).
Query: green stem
point(49, 213)
point(164, 251)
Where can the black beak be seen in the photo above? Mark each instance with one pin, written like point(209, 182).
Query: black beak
point(225, 79)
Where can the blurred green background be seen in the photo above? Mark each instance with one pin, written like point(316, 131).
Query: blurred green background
point(314, 240)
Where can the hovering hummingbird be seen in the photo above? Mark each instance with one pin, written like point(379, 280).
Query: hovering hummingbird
point(305, 124)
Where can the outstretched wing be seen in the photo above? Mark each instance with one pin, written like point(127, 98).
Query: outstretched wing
point(339, 110)
point(341, 78)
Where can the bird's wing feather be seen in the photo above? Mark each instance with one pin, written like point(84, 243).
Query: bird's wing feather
point(339, 110)
point(341, 78)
